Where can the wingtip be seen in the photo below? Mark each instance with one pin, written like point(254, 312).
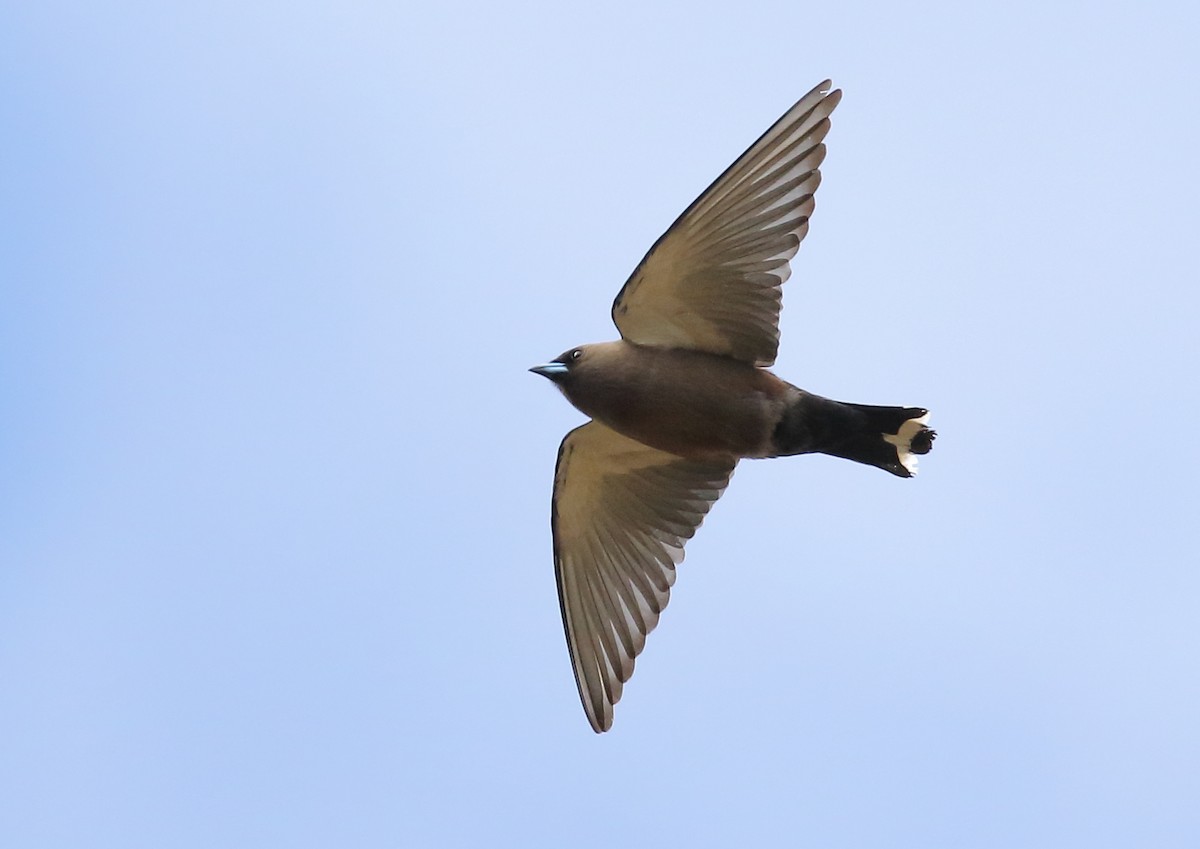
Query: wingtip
point(826, 88)
point(600, 717)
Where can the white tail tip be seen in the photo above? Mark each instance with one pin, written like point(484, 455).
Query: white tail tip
point(903, 441)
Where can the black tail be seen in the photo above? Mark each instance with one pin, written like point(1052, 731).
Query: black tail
point(887, 437)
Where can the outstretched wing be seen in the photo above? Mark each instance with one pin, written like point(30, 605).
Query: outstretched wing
point(712, 281)
point(621, 515)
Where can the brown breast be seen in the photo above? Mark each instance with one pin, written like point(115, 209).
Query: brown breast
point(686, 402)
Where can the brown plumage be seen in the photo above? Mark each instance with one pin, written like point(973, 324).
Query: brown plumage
point(684, 395)
point(727, 409)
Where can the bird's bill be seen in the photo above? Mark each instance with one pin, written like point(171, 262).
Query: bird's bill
point(550, 370)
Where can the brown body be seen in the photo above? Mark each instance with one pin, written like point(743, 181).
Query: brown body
point(689, 403)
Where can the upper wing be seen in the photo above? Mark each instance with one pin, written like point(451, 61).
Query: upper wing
point(712, 281)
point(622, 513)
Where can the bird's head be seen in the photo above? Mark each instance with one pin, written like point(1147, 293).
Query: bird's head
point(589, 374)
point(558, 371)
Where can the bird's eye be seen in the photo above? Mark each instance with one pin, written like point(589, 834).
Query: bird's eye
point(576, 354)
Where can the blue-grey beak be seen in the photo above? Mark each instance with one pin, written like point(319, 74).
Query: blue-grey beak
point(550, 370)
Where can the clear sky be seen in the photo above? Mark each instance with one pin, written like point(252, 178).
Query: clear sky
point(275, 564)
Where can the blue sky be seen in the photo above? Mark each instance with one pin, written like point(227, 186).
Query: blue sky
point(275, 562)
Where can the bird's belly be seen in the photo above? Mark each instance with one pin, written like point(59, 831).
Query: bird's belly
point(697, 412)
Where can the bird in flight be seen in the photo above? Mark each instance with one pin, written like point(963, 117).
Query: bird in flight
point(685, 393)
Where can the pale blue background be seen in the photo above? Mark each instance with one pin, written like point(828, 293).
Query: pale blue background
point(274, 482)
